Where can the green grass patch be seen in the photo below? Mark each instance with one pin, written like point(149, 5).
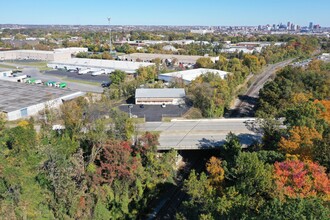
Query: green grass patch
point(7, 66)
point(138, 120)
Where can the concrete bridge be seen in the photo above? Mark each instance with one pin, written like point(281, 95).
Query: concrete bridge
point(200, 134)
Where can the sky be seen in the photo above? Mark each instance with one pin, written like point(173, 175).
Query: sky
point(166, 12)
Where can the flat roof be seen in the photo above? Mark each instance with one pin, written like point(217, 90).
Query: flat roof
point(29, 51)
point(150, 56)
point(15, 96)
point(160, 93)
point(108, 64)
point(189, 75)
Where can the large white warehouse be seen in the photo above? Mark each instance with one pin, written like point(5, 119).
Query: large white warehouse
point(96, 65)
point(56, 55)
point(189, 75)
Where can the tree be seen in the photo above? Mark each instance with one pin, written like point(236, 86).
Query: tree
point(292, 209)
point(231, 148)
point(216, 172)
point(300, 142)
point(115, 162)
point(251, 176)
point(252, 62)
point(146, 143)
point(148, 73)
point(117, 77)
point(297, 179)
point(204, 62)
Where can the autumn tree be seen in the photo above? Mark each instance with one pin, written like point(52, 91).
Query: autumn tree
point(115, 162)
point(297, 179)
point(300, 142)
point(216, 172)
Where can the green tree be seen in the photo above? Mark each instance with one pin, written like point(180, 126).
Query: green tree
point(117, 77)
point(204, 62)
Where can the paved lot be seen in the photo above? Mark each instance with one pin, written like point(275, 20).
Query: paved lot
point(199, 134)
point(34, 73)
point(155, 112)
point(76, 76)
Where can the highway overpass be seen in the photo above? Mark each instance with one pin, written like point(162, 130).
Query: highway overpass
point(200, 134)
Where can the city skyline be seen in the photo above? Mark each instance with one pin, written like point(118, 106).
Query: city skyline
point(147, 12)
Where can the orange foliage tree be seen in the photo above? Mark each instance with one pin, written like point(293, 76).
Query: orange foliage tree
point(324, 113)
point(300, 142)
point(297, 179)
point(217, 173)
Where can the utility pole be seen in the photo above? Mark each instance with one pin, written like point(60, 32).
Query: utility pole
point(110, 50)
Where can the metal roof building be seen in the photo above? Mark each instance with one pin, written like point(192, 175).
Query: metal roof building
point(147, 57)
point(20, 100)
point(96, 65)
point(57, 54)
point(189, 75)
point(172, 96)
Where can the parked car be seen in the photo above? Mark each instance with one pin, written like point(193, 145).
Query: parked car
point(50, 83)
point(163, 105)
point(142, 106)
point(105, 84)
point(60, 84)
point(38, 81)
point(30, 81)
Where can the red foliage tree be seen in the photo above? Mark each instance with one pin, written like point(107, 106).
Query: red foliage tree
point(148, 141)
point(115, 161)
point(297, 179)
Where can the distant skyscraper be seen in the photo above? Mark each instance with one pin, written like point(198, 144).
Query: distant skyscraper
point(310, 25)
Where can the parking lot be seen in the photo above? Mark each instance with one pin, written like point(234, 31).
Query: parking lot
point(155, 112)
point(75, 76)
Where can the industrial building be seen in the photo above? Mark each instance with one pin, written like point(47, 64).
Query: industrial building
point(148, 57)
point(171, 96)
point(189, 75)
point(55, 55)
point(25, 100)
point(107, 66)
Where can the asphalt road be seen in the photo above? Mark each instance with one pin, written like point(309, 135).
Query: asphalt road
point(244, 105)
point(199, 134)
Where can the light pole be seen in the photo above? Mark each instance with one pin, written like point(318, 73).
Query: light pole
point(130, 106)
point(110, 50)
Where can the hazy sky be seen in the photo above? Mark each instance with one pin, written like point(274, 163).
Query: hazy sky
point(165, 12)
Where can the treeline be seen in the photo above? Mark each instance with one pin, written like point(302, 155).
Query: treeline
point(212, 95)
point(95, 168)
point(286, 176)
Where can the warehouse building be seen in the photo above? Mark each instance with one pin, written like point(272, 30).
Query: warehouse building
point(148, 57)
point(171, 96)
point(107, 66)
point(25, 100)
point(57, 54)
point(189, 75)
